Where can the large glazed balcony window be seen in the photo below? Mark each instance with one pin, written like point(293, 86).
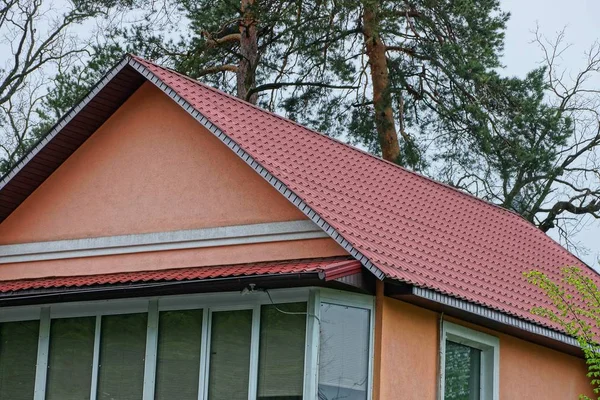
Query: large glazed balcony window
point(281, 345)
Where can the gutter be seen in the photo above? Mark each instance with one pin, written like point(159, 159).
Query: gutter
point(142, 289)
point(493, 315)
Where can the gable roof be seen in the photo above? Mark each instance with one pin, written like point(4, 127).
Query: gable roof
point(400, 225)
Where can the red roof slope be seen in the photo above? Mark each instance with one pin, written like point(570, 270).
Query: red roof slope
point(409, 227)
point(331, 268)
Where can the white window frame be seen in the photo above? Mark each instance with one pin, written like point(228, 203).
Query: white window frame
point(209, 303)
point(490, 357)
point(356, 300)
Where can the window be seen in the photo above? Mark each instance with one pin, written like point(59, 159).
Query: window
point(122, 352)
point(344, 352)
point(470, 362)
point(18, 358)
point(230, 355)
point(71, 358)
point(281, 354)
point(289, 344)
point(178, 358)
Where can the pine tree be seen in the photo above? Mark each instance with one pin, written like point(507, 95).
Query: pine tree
point(417, 82)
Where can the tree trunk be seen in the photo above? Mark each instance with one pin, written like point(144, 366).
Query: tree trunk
point(382, 99)
point(246, 72)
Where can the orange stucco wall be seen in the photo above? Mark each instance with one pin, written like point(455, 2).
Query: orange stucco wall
point(409, 360)
point(151, 167)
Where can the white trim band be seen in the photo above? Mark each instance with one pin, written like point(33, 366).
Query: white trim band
point(161, 241)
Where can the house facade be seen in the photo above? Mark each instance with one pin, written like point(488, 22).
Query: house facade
point(167, 241)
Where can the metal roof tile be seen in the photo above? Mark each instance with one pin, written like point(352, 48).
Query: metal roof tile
point(332, 268)
point(410, 227)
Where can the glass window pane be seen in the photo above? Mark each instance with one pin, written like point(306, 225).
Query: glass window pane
point(18, 356)
point(122, 352)
point(282, 347)
point(70, 359)
point(462, 372)
point(344, 352)
point(178, 360)
point(230, 355)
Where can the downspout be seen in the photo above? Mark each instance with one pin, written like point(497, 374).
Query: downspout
point(377, 359)
point(440, 395)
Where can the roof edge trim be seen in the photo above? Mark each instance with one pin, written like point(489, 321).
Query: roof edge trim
point(257, 167)
point(494, 315)
point(4, 180)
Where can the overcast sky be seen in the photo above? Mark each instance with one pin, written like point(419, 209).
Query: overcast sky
point(582, 23)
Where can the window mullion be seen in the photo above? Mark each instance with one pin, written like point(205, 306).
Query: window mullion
point(204, 356)
point(202, 381)
point(311, 367)
point(96, 359)
point(41, 371)
point(254, 349)
point(151, 350)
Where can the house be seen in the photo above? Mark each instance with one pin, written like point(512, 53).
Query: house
point(168, 241)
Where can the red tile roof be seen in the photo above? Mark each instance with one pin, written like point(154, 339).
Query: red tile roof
point(401, 225)
point(411, 228)
point(330, 268)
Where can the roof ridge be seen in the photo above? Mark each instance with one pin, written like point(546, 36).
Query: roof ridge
point(273, 114)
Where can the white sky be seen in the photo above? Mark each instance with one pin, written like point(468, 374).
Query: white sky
point(582, 23)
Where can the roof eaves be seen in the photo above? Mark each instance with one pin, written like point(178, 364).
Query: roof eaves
point(494, 315)
point(262, 171)
point(4, 180)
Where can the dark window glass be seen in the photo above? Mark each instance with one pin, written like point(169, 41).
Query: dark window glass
point(230, 355)
point(122, 352)
point(70, 359)
point(178, 359)
point(462, 372)
point(18, 359)
point(282, 348)
point(344, 352)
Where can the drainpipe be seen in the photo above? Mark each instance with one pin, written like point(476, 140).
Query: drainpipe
point(440, 366)
point(377, 359)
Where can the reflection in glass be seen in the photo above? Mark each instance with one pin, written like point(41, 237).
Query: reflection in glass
point(344, 352)
point(462, 372)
